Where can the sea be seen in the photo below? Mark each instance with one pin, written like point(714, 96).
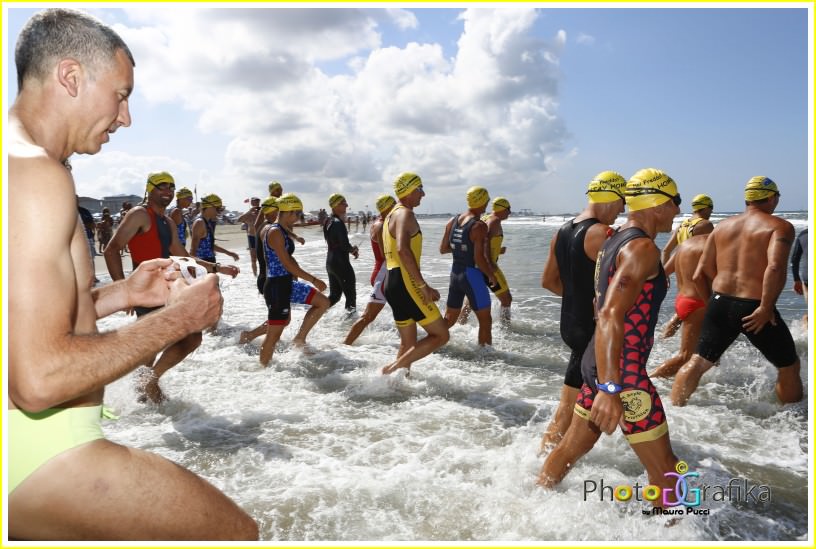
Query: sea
point(320, 447)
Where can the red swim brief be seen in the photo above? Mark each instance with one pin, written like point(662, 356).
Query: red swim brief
point(685, 305)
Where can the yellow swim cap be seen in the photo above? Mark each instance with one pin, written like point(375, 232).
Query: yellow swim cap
point(336, 199)
point(274, 186)
point(158, 178)
point(477, 197)
point(289, 203)
point(269, 204)
point(648, 188)
point(407, 183)
point(606, 187)
point(500, 203)
point(211, 201)
point(760, 188)
point(701, 202)
point(384, 201)
point(184, 192)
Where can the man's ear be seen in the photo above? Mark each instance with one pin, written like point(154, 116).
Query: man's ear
point(69, 72)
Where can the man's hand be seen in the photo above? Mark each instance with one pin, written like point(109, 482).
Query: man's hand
point(231, 270)
point(355, 252)
point(758, 319)
point(607, 412)
point(797, 287)
point(234, 256)
point(319, 284)
point(200, 304)
point(149, 285)
point(429, 294)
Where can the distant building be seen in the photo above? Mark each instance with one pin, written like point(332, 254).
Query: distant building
point(90, 204)
point(114, 203)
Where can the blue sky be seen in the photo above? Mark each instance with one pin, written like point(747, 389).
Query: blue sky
point(530, 103)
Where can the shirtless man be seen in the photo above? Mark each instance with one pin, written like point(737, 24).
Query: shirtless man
point(630, 285)
point(701, 209)
point(249, 218)
point(410, 297)
point(690, 303)
point(569, 272)
point(66, 482)
point(471, 274)
point(745, 262)
point(150, 234)
point(376, 302)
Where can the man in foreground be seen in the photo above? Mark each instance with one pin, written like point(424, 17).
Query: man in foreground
point(630, 286)
point(66, 482)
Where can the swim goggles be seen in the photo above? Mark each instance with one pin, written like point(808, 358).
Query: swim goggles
point(190, 270)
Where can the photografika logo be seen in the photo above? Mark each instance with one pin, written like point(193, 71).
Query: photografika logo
point(687, 492)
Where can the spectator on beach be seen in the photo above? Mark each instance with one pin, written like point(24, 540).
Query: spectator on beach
point(65, 480)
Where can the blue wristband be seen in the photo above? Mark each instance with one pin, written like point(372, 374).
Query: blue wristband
point(610, 387)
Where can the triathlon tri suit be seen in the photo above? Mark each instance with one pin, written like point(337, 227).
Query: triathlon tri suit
point(342, 280)
point(34, 438)
point(466, 280)
point(280, 288)
point(206, 246)
point(181, 227)
point(723, 323)
point(685, 305)
point(401, 291)
point(378, 275)
point(151, 244)
point(643, 416)
point(686, 228)
point(501, 286)
point(260, 254)
point(577, 273)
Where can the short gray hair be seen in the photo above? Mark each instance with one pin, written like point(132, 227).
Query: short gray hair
point(57, 33)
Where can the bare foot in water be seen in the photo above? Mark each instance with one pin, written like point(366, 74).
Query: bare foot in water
point(391, 368)
point(153, 392)
point(245, 337)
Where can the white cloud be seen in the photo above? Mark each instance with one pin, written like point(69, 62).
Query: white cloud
point(585, 39)
point(487, 115)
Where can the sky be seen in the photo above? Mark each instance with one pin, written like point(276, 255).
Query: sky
point(528, 100)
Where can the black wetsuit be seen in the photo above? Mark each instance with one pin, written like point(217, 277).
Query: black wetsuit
point(342, 279)
point(577, 273)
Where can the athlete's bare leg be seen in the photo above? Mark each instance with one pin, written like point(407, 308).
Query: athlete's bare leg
point(437, 336)
point(319, 305)
point(370, 313)
point(692, 327)
point(578, 440)
point(561, 419)
point(104, 491)
point(687, 379)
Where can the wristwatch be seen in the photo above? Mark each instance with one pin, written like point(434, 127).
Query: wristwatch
point(610, 387)
point(216, 267)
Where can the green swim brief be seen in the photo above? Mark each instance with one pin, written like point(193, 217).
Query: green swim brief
point(34, 438)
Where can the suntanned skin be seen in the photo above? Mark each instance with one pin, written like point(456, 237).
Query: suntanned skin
point(97, 490)
point(249, 218)
point(683, 263)
point(177, 214)
point(746, 256)
point(372, 309)
point(138, 222)
point(481, 256)
point(402, 226)
point(637, 262)
point(596, 235)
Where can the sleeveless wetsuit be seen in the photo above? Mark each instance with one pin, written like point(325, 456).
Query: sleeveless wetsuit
point(643, 417)
point(260, 254)
point(686, 229)
point(401, 291)
point(577, 273)
point(206, 246)
point(152, 244)
point(466, 280)
point(342, 280)
point(495, 250)
point(280, 288)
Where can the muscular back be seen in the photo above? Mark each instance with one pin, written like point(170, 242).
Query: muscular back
point(685, 261)
point(748, 251)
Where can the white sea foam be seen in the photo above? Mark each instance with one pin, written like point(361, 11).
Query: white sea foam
point(320, 446)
